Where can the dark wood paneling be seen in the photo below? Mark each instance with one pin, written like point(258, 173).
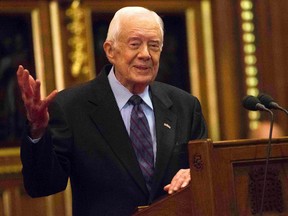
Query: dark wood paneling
point(228, 70)
point(272, 51)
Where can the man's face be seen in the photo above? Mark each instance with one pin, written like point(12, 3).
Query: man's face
point(136, 53)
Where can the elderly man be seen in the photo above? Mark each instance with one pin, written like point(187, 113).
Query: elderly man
point(122, 137)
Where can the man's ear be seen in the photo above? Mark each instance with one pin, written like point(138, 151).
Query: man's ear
point(109, 50)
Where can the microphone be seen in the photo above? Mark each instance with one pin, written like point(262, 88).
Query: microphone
point(269, 102)
point(253, 103)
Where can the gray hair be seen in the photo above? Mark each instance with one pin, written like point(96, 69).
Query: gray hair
point(115, 24)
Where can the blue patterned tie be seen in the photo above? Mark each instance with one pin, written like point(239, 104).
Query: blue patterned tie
point(141, 140)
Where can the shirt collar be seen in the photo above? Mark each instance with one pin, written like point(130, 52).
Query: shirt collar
point(122, 94)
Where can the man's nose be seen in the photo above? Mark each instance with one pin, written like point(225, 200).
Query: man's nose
point(145, 52)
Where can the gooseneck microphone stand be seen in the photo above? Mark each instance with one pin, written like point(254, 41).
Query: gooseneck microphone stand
point(268, 152)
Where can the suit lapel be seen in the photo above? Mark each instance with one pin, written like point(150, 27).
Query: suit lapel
point(165, 131)
point(112, 128)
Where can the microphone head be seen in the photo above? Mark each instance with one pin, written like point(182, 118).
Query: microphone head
point(251, 103)
point(267, 100)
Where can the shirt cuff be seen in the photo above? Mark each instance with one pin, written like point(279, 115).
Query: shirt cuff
point(34, 140)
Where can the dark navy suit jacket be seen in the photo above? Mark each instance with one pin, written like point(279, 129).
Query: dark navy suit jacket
point(87, 141)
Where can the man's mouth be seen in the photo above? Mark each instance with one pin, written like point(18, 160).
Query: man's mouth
point(142, 67)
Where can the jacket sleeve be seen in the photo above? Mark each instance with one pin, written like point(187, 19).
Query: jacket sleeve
point(46, 164)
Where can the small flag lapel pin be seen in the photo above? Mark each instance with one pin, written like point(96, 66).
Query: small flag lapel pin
point(167, 125)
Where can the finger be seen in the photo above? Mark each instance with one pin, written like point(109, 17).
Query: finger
point(20, 76)
point(36, 96)
point(20, 71)
point(172, 187)
point(185, 183)
point(186, 178)
point(166, 188)
point(32, 81)
point(180, 180)
point(51, 96)
point(48, 99)
point(176, 179)
point(27, 83)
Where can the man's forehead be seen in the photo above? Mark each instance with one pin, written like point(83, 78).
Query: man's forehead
point(133, 27)
point(138, 31)
point(155, 38)
point(139, 21)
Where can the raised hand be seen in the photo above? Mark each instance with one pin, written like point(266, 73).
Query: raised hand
point(36, 108)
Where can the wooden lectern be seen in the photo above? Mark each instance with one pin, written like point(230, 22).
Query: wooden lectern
point(227, 179)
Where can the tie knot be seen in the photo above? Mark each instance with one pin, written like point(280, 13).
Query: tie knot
point(135, 100)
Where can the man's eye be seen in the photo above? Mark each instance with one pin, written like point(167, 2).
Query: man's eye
point(155, 46)
point(134, 45)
